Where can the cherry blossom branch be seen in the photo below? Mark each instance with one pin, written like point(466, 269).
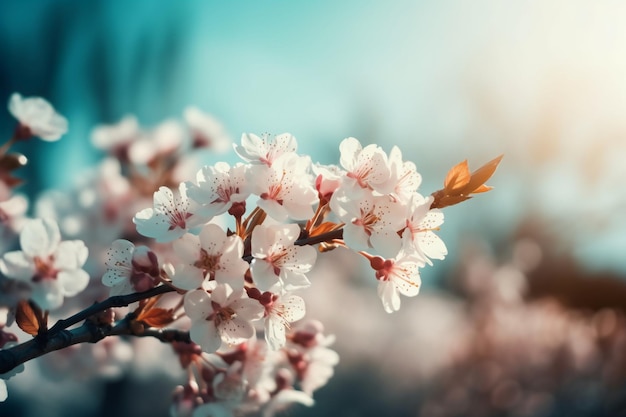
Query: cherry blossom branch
point(324, 237)
point(89, 332)
point(58, 337)
point(111, 302)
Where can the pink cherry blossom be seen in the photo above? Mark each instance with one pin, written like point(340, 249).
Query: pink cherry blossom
point(278, 264)
point(221, 314)
point(209, 256)
point(328, 179)
point(37, 117)
point(50, 267)
point(171, 217)
point(263, 150)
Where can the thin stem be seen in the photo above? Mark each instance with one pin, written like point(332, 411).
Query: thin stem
point(7, 145)
point(111, 302)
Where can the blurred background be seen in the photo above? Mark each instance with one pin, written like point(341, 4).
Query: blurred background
point(525, 317)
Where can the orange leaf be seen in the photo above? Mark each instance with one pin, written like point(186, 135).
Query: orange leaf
point(458, 176)
point(156, 317)
point(26, 318)
point(482, 174)
point(459, 184)
point(324, 227)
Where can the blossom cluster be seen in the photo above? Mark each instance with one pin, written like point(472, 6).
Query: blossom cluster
point(214, 264)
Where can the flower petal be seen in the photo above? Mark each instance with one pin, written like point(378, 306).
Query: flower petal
point(206, 335)
point(73, 281)
point(18, 266)
point(40, 237)
point(197, 305)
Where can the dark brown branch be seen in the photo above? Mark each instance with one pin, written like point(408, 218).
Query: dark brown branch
point(58, 337)
point(324, 237)
point(87, 333)
point(111, 302)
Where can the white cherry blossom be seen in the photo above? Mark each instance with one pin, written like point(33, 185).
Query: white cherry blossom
point(37, 117)
point(278, 264)
point(283, 399)
point(309, 354)
point(130, 269)
point(404, 175)
point(209, 256)
point(420, 224)
point(399, 275)
point(367, 168)
point(52, 268)
point(117, 137)
point(283, 311)
point(280, 312)
point(370, 221)
point(164, 139)
point(221, 314)
point(264, 150)
point(285, 189)
point(171, 217)
point(219, 187)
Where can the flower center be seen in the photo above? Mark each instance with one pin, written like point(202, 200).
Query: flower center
point(208, 263)
point(44, 269)
point(221, 314)
point(178, 219)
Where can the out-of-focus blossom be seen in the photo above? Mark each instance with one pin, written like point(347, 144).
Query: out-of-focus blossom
point(265, 150)
point(285, 398)
point(206, 131)
point(37, 117)
point(167, 138)
point(51, 267)
point(310, 356)
point(117, 138)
